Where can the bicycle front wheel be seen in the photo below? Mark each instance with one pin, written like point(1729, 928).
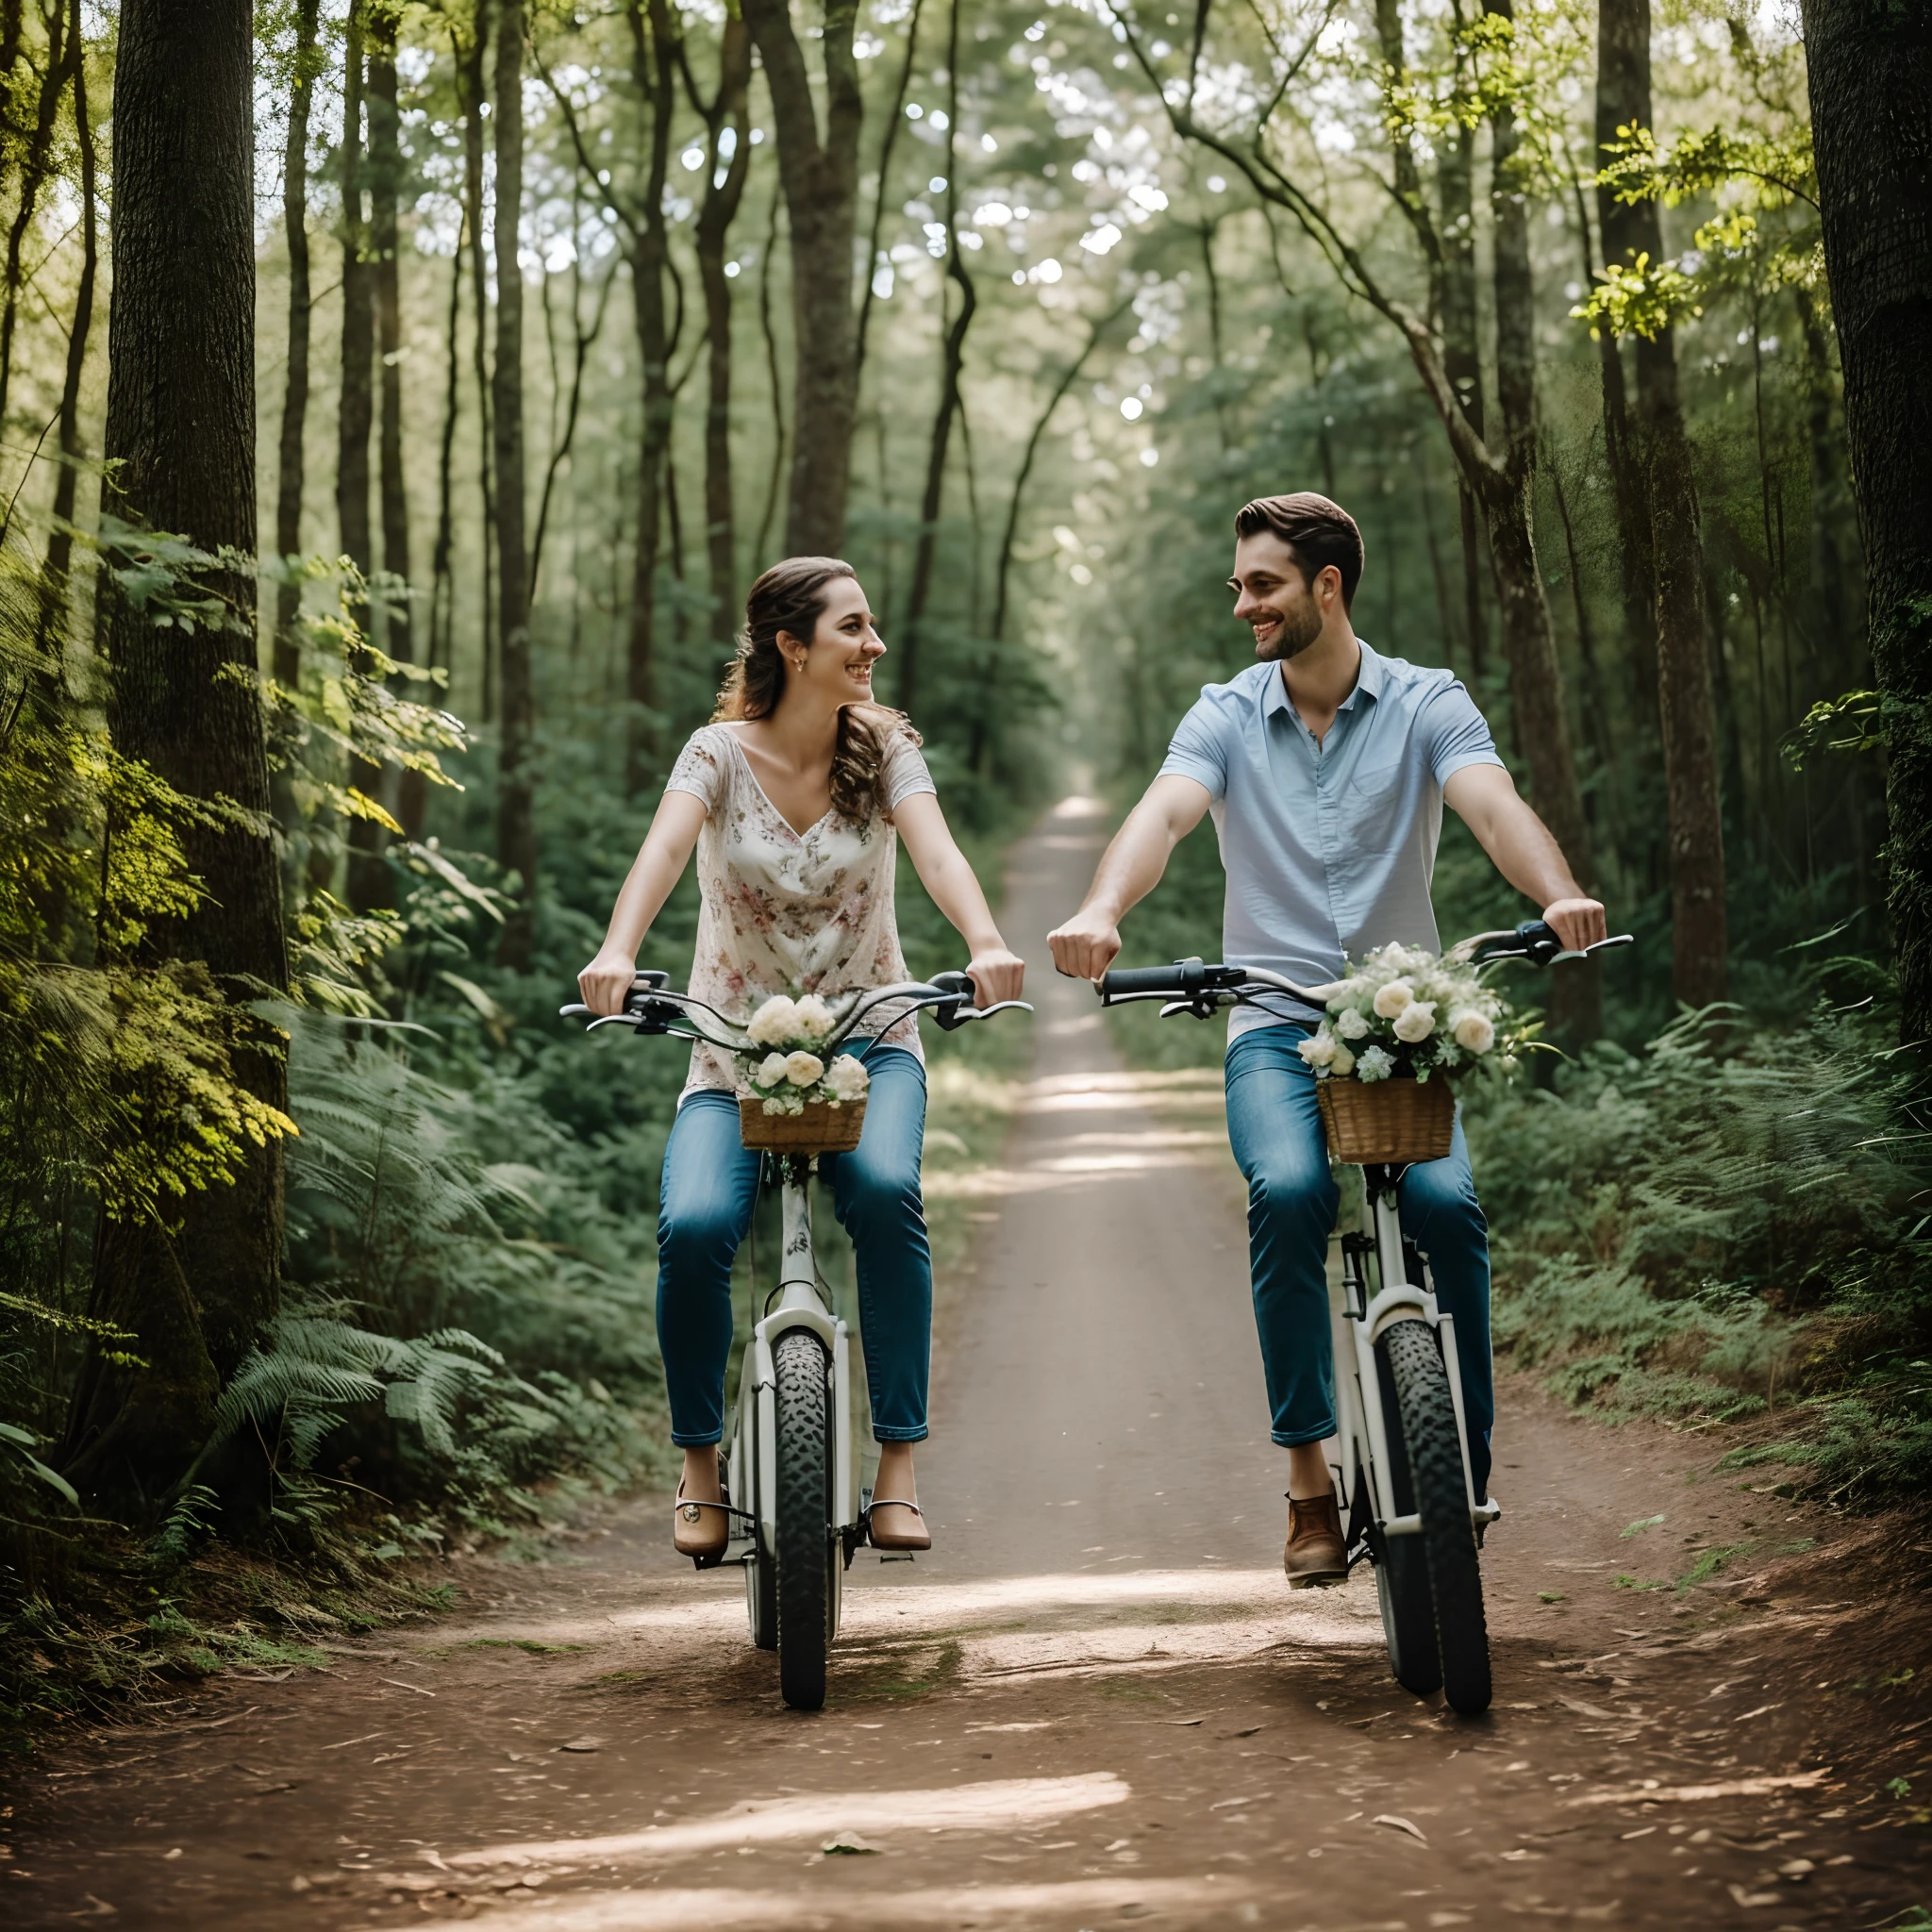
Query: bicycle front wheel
point(1433, 1451)
point(804, 1517)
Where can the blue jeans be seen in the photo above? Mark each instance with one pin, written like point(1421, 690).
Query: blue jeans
point(1275, 1130)
point(705, 1204)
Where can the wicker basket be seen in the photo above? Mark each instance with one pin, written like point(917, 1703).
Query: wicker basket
point(820, 1129)
point(1393, 1123)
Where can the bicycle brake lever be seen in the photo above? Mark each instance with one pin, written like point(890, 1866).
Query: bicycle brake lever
point(573, 1011)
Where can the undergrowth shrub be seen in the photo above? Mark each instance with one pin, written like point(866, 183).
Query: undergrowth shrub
point(1729, 1222)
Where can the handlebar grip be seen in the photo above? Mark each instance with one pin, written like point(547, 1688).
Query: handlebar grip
point(1141, 979)
point(1185, 979)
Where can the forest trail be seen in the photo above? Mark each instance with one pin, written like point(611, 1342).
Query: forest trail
point(1096, 1702)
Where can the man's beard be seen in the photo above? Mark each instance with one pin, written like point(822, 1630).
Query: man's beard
point(1298, 630)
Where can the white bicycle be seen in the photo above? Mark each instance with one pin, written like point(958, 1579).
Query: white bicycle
point(795, 1517)
point(1400, 1454)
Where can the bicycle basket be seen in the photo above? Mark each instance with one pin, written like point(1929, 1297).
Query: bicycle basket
point(820, 1129)
point(1391, 1122)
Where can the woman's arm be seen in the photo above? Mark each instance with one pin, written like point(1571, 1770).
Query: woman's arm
point(658, 866)
point(997, 972)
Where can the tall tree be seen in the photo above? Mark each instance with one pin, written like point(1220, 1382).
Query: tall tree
point(355, 413)
point(472, 45)
point(403, 791)
point(35, 163)
point(1869, 67)
point(820, 175)
point(952, 359)
point(728, 164)
point(290, 472)
point(59, 544)
point(516, 819)
point(180, 446)
point(1661, 524)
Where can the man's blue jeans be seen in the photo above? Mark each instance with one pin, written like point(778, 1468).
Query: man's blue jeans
point(1276, 1129)
point(705, 1206)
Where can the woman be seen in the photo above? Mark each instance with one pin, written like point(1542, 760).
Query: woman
point(795, 797)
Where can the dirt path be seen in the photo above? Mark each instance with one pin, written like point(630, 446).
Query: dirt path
point(1096, 1702)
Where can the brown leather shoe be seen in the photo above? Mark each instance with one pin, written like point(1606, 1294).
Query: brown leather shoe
point(1315, 1553)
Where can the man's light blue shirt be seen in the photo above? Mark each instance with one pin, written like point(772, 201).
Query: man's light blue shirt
point(1328, 847)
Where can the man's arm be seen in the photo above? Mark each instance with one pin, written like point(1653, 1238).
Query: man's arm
point(1484, 799)
point(1129, 869)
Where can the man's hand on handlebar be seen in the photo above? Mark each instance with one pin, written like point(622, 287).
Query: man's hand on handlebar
point(1578, 923)
point(606, 982)
point(996, 975)
point(1086, 945)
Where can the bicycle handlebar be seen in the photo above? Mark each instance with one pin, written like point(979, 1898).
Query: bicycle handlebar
point(652, 1007)
point(1198, 987)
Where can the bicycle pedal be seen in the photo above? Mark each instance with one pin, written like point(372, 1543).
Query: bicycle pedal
point(897, 1555)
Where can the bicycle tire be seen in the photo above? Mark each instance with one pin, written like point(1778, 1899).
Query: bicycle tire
point(1448, 1539)
point(1402, 1567)
point(804, 1517)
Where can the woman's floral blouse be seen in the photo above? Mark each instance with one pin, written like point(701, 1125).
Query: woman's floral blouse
point(781, 913)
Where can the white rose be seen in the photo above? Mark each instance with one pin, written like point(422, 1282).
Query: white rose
point(802, 1068)
point(775, 1022)
point(1374, 1065)
point(1343, 1062)
point(1416, 1021)
point(1350, 1024)
point(848, 1077)
point(814, 1019)
point(771, 1070)
point(1318, 1050)
point(1473, 1031)
point(1392, 998)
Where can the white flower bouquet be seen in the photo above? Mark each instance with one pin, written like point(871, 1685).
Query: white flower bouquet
point(1405, 1012)
point(783, 1068)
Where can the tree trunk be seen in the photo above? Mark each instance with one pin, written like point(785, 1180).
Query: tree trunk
point(952, 355)
point(821, 182)
point(402, 793)
point(722, 198)
point(34, 163)
point(474, 95)
point(875, 258)
point(1870, 65)
point(180, 428)
point(57, 602)
point(1622, 100)
point(516, 823)
point(1655, 488)
point(1529, 642)
point(1462, 359)
point(653, 69)
point(356, 415)
point(290, 465)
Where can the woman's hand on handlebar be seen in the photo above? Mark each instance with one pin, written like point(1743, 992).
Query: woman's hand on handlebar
point(1086, 945)
point(606, 982)
point(1578, 923)
point(996, 975)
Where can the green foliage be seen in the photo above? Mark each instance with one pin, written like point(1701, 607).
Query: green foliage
point(1728, 1222)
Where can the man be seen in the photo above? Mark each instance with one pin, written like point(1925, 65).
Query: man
point(1325, 766)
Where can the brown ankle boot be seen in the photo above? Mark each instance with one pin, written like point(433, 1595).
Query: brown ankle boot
point(1315, 1553)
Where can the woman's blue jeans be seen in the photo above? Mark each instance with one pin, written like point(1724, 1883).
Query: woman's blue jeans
point(705, 1206)
point(1276, 1129)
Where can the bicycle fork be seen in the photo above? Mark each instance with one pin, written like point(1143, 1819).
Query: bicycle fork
point(1363, 1475)
point(754, 1427)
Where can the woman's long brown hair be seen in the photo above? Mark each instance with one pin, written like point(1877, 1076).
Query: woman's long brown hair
point(791, 596)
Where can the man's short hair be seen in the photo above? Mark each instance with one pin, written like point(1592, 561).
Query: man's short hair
point(1317, 532)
